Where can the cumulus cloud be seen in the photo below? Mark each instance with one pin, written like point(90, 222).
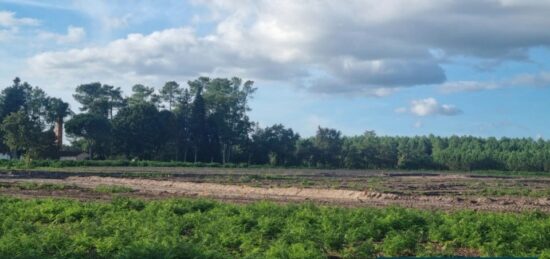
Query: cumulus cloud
point(9, 19)
point(74, 35)
point(170, 53)
point(353, 47)
point(10, 24)
point(541, 79)
point(429, 107)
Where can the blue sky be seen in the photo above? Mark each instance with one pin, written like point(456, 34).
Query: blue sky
point(397, 67)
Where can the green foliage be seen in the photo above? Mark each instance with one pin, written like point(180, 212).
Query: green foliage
point(127, 228)
point(19, 131)
point(24, 134)
point(138, 131)
point(99, 99)
point(170, 92)
point(143, 95)
point(207, 122)
point(107, 163)
point(274, 145)
point(43, 186)
point(57, 110)
point(95, 129)
point(113, 189)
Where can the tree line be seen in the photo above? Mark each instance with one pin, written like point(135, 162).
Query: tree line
point(207, 121)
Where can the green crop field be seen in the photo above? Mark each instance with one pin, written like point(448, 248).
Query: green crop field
point(184, 228)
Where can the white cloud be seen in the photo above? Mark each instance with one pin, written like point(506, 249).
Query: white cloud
point(467, 86)
point(9, 20)
point(51, 4)
point(541, 79)
point(10, 24)
point(429, 107)
point(117, 22)
point(172, 53)
point(358, 47)
point(74, 35)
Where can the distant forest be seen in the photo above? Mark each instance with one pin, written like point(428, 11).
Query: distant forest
point(207, 121)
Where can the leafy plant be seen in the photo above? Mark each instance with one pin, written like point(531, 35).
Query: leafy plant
point(183, 228)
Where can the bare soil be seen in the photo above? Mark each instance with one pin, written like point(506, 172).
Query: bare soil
point(447, 191)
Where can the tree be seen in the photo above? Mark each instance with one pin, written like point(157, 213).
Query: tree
point(22, 96)
point(328, 143)
point(13, 98)
point(114, 96)
point(168, 132)
point(306, 152)
point(36, 103)
point(139, 131)
point(94, 128)
point(227, 104)
point(94, 99)
point(99, 99)
point(183, 121)
point(198, 124)
point(32, 101)
point(170, 92)
point(275, 145)
point(57, 111)
point(142, 94)
point(21, 133)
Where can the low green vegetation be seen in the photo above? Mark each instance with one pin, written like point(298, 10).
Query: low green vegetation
point(517, 191)
point(112, 189)
point(36, 186)
point(10, 164)
point(43, 186)
point(127, 228)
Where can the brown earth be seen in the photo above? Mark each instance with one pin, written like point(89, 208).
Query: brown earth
point(345, 188)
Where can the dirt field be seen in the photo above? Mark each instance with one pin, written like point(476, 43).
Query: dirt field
point(448, 191)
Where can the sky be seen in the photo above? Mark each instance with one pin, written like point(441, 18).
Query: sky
point(398, 67)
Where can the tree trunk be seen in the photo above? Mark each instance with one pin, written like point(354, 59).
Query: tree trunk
point(224, 148)
point(185, 154)
point(229, 148)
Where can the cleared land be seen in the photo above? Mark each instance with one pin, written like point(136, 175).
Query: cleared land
point(356, 188)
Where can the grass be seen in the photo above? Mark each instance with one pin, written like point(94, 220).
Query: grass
point(43, 186)
point(48, 164)
point(113, 189)
point(515, 191)
point(36, 186)
point(184, 228)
